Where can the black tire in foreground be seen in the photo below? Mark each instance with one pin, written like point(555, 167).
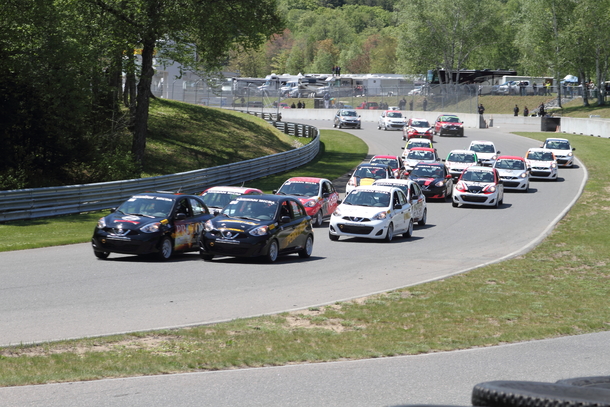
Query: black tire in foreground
point(537, 394)
point(602, 382)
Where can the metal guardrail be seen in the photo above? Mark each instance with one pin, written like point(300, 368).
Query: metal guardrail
point(44, 202)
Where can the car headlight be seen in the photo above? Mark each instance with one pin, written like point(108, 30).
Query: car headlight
point(260, 231)
point(489, 189)
point(461, 186)
point(101, 224)
point(337, 212)
point(311, 203)
point(440, 184)
point(523, 175)
point(380, 216)
point(554, 165)
point(208, 226)
point(151, 227)
point(570, 154)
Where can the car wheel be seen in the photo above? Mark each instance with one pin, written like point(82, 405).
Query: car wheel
point(390, 235)
point(101, 255)
point(424, 218)
point(318, 218)
point(272, 252)
point(542, 394)
point(166, 248)
point(306, 252)
point(409, 231)
point(340, 126)
point(454, 204)
point(335, 125)
point(385, 128)
point(332, 237)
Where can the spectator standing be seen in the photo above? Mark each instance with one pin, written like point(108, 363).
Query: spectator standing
point(547, 88)
point(402, 103)
point(516, 110)
point(303, 105)
point(326, 100)
point(535, 87)
point(526, 111)
point(293, 106)
point(299, 105)
point(411, 104)
point(481, 109)
point(425, 104)
point(541, 111)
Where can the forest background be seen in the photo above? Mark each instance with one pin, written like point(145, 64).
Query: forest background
point(75, 99)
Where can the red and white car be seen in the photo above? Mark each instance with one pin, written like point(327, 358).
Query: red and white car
point(479, 185)
point(420, 155)
point(542, 163)
point(318, 196)
point(394, 161)
point(417, 128)
point(448, 124)
point(217, 198)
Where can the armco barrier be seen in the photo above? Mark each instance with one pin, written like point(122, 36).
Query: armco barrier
point(44, 202)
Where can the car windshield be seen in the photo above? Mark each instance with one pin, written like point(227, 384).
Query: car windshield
point(507, 164)
point(418, 143)
point(348, 113)
point(461, 158)
point(420, 155)
point(420, 123)
point(450, 119)
point(394, 114)
point(368, 198)
point(299, 188)
point(558, 145)
point(149, 206)
point(478, 176)
point(218, 199)
point(483, 148)
point(392, 162)
point(540, 156)
point(425, 171)
point(248, 208)
point(371, 172)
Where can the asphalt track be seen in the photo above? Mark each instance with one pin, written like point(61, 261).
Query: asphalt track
point(442, 378)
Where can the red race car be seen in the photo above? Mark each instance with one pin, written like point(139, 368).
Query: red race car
point(318, 196)
point(417, 128)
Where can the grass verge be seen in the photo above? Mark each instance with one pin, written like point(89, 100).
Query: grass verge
point(560, 288)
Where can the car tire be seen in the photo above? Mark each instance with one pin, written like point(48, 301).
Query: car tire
point(454, 204)
point(424, 218)
point(318, 220)
point(340, 126)
point(390, 234)
point(523, 393)
point(306, 251)
point(166, 248)
point(272, 252)
point(335, 125)
point(409, 231)
point(602, 382)
point(101, 255)
point(205, 256)
point(332, 237)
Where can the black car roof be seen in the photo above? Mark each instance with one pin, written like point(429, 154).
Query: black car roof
point(170, 195)
point(379, 165)
point(265, 197)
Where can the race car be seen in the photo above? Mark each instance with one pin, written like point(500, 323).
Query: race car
point(318, 196)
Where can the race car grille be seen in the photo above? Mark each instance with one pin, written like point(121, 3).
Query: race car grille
point(119, 232)
point(470, 198)
point(541, 173)
point(356, 219)
point(511, 184)
point(475, 189)
point(356, 230)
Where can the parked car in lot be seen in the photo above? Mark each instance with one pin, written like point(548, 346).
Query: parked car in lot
point(420, 155)
point(415, 196)
point(417, 128)
point(391, 120)
point(479, 185)
point(486, 151)
point(513, 172)
point(458, 160)
point(447, 124)
point(318, 196)
point(218, 197)
point(562, 149)
point(347, 118)
point(394, 161)
point(366, 174)
point(152, 223)
point(368, 106)
point(372, 212)
point(434, 180)
point(542, 163)
point(258, 226)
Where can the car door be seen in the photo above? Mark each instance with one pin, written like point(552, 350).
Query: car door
point(416, 199)
point(188, 228)
point(401, 212)
point(330, 198)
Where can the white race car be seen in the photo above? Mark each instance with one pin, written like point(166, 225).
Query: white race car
point(458, 160)
point(372, 212)
point(513, 172)
point(542, 163)
point(391, 120)
point(415, 195)
point(479, 185)
point(486, 151)
point(562, 149)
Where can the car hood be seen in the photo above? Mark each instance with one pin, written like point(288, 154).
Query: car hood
point(509, 173)
point(420, 129)
point(413, 163)
point(539, 163)
point(130, 222)
point(485, 156)
point(238, 224)
point(426, 180)
point(360, 211)
point(560, 152)
point(457, 165)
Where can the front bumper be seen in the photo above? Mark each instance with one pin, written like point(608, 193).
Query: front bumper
point(515, 183)
point(250, 246)
point(456, 131)
point(369, 229)
point(136, 244)
point(543, 173)
point(564, 161)
point(467, 198)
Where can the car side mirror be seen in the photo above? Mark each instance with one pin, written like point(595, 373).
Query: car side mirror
point(285, 219)
point(216, 212)
point(180, 216)
point(498, 152)
point(573, 148)
point(325, 195)
point(448, 176)
point(398, 206)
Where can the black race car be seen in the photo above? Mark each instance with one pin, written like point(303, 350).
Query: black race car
point(434, 180)
point(161, 223)
point(261, 225)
